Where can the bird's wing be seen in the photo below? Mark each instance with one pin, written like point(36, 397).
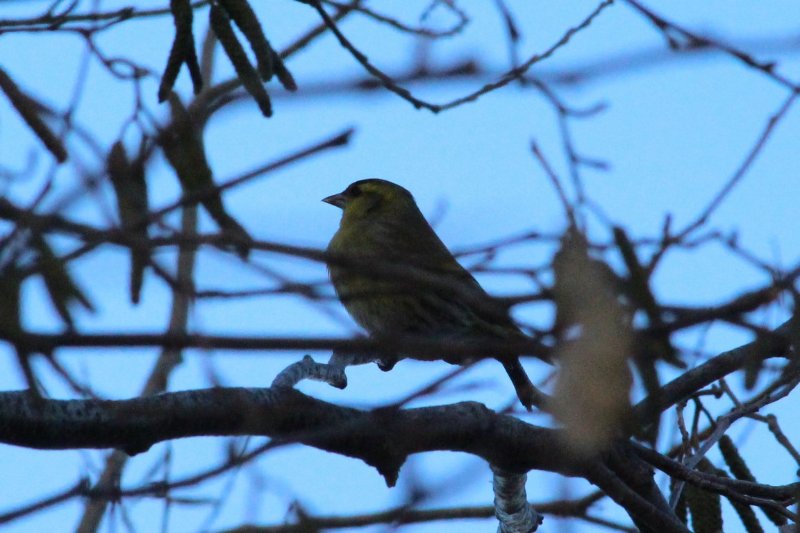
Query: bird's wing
point(461, 296)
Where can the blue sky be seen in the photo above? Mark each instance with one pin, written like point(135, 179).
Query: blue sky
point(672, 135)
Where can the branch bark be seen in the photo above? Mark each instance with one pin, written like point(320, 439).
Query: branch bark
point(381, 438)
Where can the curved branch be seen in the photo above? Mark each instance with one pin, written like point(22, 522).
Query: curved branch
point(746, 492)
point(716, 368)
point(508, 77)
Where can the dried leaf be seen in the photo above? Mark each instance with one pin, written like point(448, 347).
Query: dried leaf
point(130, 188)
point(61, 288)
point(183, 147)
point(10, 284)
point(592, 391)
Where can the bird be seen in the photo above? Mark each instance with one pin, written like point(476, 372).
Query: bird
point(381, 224)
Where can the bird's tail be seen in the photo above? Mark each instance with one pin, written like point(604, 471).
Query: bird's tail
point(526, 392)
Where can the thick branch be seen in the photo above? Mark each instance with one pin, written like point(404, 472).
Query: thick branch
point(381, 438)
point(716, 368)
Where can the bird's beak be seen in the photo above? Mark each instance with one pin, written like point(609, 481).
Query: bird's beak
point(335, 199)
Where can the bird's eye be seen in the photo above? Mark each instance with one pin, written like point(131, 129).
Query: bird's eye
point(354, 191)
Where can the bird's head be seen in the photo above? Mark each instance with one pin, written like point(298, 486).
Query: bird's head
point(373, 198)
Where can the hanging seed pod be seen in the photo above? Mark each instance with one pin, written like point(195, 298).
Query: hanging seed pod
point(745, 512)
point(284, 76)
point(182, 51)
point(245, 18)
point(740, 471)
point(221, 25)
point(704, 506)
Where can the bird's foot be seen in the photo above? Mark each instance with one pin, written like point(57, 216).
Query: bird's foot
point(307, 368)
point(386, 363)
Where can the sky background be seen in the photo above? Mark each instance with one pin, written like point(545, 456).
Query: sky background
point(672, 134)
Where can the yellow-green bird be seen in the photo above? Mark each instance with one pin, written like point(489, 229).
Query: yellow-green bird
point(382, 223)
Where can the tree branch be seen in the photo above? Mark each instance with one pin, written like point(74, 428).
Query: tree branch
point(381, 438)
point(718, 367)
